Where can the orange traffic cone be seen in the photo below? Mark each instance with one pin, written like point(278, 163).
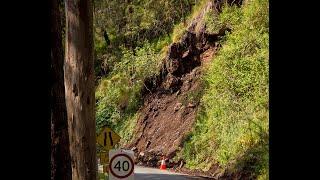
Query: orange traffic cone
point(163, 164)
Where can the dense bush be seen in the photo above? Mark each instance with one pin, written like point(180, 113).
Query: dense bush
point(132, 22)
point(118, 95)
point(232, 122)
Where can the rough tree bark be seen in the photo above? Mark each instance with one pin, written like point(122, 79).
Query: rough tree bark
point(60, 154)
point(79, 86)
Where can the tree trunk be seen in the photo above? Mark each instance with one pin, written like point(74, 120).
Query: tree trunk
point(79, 85)
point(60, 154)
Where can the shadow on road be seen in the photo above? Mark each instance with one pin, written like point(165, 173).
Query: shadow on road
point(142, 176)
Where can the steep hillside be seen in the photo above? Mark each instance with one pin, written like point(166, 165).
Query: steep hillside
point(231, 135)
point(199, 97)
point(171, 99)
point(118, 93)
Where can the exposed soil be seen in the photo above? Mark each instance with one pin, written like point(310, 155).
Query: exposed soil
point(170, 105)
point(171, 99)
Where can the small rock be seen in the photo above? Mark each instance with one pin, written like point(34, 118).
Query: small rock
point(141, 154)
point(178, 92)
point(134, 149)
point(170, 82)
point(150, 151)
point(181, 164)
point(148, 144)
point(191, 105)
point(185, 54)
point(156, 114)
point(155, 108)
point(177, 106)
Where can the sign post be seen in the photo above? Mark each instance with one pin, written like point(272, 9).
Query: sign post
point(107, 139)
point(121, 164)
point(104, 158)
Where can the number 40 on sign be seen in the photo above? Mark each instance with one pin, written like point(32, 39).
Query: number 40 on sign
point(121, 165)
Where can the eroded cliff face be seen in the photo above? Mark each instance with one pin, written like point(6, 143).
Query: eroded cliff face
point(171, 99)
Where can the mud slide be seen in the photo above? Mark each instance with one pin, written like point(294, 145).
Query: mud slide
point(172, 98)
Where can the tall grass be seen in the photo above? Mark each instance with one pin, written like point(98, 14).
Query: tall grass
point(118, 95)
point(232, 127)
point(180, 28)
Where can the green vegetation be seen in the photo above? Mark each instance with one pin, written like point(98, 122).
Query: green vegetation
point(119, 95)
point(135, 53)
point(232, 127)
point(102, 176)
point(180, 28)
point(229, 18)
point(131, 23)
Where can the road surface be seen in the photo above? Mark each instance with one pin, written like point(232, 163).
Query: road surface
point(144, 173)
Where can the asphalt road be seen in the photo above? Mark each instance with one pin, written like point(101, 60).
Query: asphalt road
point(142, 173)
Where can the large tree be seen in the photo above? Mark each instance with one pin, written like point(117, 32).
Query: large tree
point(79, 86)
point(60, 154)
